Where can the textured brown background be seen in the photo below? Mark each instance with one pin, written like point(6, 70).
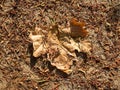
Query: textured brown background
point(99, 71)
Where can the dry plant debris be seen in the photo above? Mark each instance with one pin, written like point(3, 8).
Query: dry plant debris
point(77, 28)
point(20, 71)
point(59, 45)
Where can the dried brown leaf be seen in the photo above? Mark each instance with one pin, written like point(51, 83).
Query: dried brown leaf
point(58, 46)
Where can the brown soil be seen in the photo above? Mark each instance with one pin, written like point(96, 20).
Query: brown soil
point(19, 70)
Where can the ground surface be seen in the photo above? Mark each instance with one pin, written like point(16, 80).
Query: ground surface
point(98, 71)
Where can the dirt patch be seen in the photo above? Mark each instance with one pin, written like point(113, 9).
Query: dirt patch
point(21, 71)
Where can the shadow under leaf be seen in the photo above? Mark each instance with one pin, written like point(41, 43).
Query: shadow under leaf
point(33, 60)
